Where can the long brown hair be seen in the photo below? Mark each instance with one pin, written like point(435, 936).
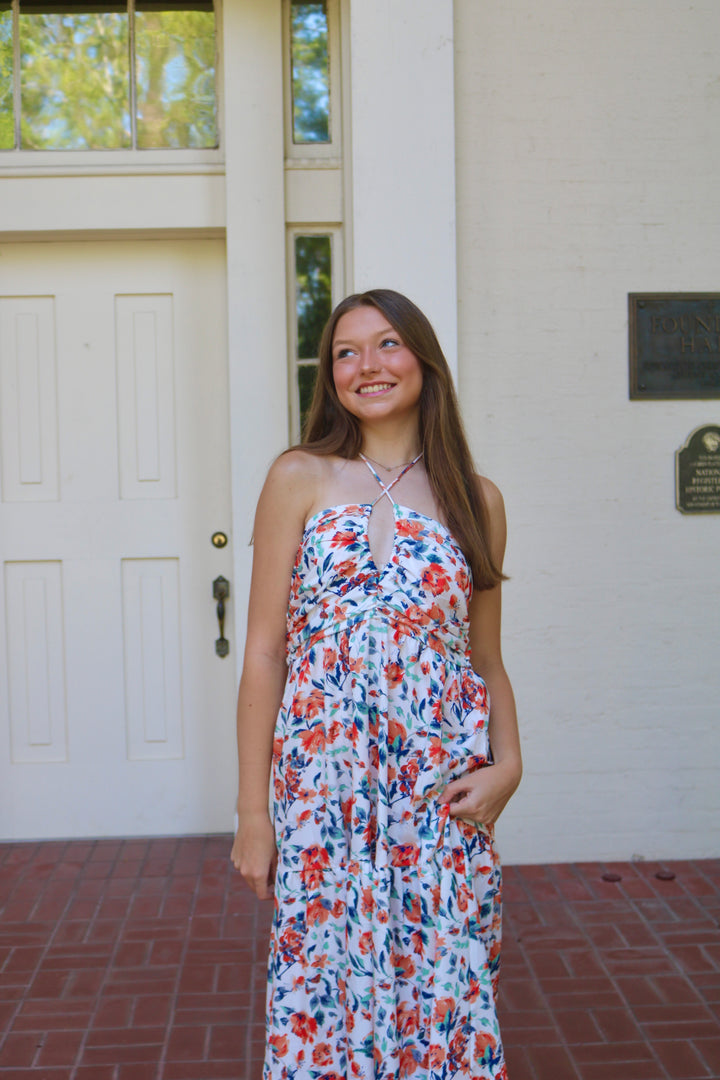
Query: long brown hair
point(331, 429)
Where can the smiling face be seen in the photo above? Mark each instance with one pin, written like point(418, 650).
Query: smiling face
point(376, 376)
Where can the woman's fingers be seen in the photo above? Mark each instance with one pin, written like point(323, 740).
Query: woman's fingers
point(260, 880)
point(479, 796)
point(461, 793)
point(469, 807)
point(254, 855)
point(457, 789)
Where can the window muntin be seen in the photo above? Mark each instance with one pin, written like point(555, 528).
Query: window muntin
point(79, 89)
point(310, 72)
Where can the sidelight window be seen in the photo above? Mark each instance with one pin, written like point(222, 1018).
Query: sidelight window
point(312, 80)
point(315, 260)
point(310, 72)
point(314, 188)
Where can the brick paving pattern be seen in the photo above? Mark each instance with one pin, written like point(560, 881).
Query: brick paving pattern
point(145, 960)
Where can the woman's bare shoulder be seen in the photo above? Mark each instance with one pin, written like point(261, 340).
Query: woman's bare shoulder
point(296, 464)
point(491, 495)
point(496, 520)
point(292, 483)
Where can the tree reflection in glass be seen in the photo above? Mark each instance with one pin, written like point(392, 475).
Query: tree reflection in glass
point(313, 303)
point(175, 74)
point(7, 125)
point(310, 72)
point(74, 75)
point(313, 292)
point(307, 376)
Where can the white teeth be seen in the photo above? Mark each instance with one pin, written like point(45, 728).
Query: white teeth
point(373, 389)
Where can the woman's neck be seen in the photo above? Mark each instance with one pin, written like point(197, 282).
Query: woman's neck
point(391, 448)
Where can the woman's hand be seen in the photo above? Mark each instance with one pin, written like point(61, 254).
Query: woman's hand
point(481, 796)
point(254, 853)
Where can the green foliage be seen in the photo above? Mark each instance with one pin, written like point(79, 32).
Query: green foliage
point(306, 376)
point(175, 72)
point(7, 125)
point(313, 291)
point(74, 81)
point(310, 73)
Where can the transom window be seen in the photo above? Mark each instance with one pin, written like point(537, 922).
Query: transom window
point(104, 75)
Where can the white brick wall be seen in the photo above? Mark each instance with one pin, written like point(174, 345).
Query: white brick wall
point(588, 166)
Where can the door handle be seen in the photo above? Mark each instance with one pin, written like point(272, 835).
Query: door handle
point(221, 592)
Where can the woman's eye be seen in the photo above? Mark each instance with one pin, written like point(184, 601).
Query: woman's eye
point(342, 354)
point(388, 341)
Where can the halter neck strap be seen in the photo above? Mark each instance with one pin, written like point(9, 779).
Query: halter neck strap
point(387, 488)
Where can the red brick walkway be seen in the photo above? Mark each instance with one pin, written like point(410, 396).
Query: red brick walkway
point(145, 960)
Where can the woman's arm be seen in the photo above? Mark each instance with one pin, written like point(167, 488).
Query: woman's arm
point(481, 796)
point(279, 522)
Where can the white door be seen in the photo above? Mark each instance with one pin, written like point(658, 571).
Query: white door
point(116, 714)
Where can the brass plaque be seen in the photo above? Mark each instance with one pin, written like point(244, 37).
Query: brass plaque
point(697, 472)
point(674, 345)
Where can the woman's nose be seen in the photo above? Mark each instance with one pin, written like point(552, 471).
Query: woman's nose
point(369, 360)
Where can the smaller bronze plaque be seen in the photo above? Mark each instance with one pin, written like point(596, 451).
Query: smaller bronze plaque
point(674, 345)
point(697, 472)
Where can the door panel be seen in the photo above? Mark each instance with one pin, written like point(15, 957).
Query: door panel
point(146, 396)
point(118, 715)
point(36, 668)
point(28, 399)
point(151, 637)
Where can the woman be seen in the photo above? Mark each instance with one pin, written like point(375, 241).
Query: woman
point(376, 582)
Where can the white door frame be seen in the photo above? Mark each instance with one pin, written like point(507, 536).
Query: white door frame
point(257, 336)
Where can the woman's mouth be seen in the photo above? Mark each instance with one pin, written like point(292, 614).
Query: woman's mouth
point(374, 388)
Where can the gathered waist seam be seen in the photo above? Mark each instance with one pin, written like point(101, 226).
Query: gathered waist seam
point(439, 644)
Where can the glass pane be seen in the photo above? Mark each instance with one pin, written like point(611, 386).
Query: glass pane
point(74, 76)
point(306, 376)
point(313, 292)
point(7, 120)
point(175, 74)
point(310, 73)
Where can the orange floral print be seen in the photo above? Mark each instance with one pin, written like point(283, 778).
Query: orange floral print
point(385, 945)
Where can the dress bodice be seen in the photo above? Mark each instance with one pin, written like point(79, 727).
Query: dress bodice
point(423, 590)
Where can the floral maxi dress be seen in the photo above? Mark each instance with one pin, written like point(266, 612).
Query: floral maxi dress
point(385, 943)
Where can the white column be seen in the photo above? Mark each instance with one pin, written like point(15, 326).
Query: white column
point(257, 341)
point(403, 155)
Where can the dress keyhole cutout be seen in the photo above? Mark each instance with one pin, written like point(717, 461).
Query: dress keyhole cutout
point(381, 532)
point(381, 519)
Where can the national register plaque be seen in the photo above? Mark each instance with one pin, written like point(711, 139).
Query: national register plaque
point(697, 472)
point(674, 345)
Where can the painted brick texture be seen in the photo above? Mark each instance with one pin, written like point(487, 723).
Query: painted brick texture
point(587, 165)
